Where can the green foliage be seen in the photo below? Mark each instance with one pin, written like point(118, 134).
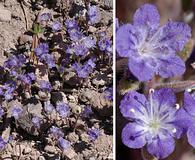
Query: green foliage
point(37, 29)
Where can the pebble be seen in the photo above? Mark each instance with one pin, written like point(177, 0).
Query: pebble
point(69, 154)
point(5, 15)
point(50, 149)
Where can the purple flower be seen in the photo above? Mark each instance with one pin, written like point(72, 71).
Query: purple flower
point(3, 143)
point(83, 71)
point(45, 17)
point(63, 144)
point(2, 112)
point(48, 107)
point(94, 14)
point(80, 50)
point(189, 106)
point(152, 49)
point(71, 24)
point(8, 90)
point(87, 112)
point(93, 133)
point(36, 122)
point(109, 94)
point(45, 86)
point(49, 60)
point(63, 109)
point(42, 49)
point(17, 111)
point(105, 44)
point(154, 122)
point(75, 34)
point(56, 132)
point(15, 62)
point(88, 42)
point(56, 26)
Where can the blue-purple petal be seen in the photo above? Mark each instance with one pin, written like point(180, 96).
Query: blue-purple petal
point(189, 104)
point(170, 66)
point(133, 105)
point(161, 148)
point(191, 135)
point(141, 69)
point(133, 136)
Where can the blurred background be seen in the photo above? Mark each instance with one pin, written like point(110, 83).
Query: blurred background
point(176, 10)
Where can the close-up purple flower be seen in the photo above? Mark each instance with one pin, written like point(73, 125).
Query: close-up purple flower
point(94, 14)
point(56, 132)
point(45, 86)
point(151, 49)
point(17, 111)
point(56, 26)
point(155, 122)
point(63, 109)
point(63, 144)
point(93, 134)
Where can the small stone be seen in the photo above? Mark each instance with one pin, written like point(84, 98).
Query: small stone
point(92, 29)
point(50, 149)
point(25, 39)
point(5, 15)
point(69, 154)
point(71, 98)
point(27, 150)
point(76, 109)
point(73, 137)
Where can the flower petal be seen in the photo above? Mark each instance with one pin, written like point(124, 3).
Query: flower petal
point(161, 148)
point(133, 105)
point(163, 98)
point(142, 70)
point(133, 136)
point(191, 135)
point(147, 15)
point(170, 66)
point(189, 104)
point(175, 35)
point(126, 40)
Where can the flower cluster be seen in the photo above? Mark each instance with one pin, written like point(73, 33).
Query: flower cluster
point(152, 50)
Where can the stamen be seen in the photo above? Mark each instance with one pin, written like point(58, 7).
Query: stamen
point(177, 106)
point(174, 130)
point(132, 110)
point(151, 90)
point(189, 90)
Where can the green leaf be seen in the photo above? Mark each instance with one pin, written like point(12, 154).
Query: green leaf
point(37, 29)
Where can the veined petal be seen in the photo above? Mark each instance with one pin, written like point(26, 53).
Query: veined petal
point(170, 66)
point(133, 135)
point(133, 105)
point(163, 99)
point(141, 69)
point(161, 148)
point(189, 104)
point(126, 40)
point(191, 135)
point(175, 35)
point(147, 15)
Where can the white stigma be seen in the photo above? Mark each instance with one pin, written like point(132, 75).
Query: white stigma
point(189, 90)
point(177, 106)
